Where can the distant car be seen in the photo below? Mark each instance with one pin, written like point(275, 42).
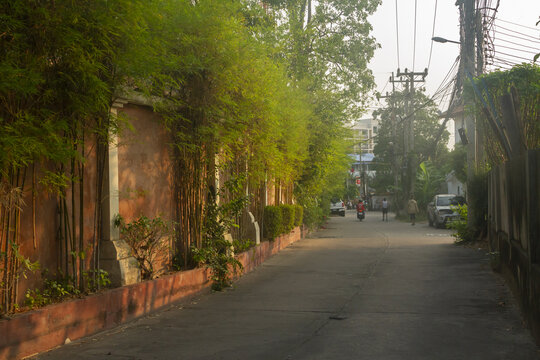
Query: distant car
point(440, 211)
point(337, 206)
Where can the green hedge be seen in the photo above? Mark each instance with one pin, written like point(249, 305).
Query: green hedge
point(281, 219)
point(298, 215)
point(272, 220)
point(287, 218)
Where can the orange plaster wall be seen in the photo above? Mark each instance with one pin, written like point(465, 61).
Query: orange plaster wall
point(145, 177)
point(42, 244)
point(145, 168)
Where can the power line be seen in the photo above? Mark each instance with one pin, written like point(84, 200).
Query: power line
point(397, 35)
point(514, 36)
point(506, 60)
point(514, 56)
point(432, 34)
point(511, 48)
point(517, 32)
point(515, 43)
point(414, 46)
point(523, 26)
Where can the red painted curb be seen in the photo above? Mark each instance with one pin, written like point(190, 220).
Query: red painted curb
point(46, 328)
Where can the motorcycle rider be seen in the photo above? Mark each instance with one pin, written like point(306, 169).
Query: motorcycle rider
point(360, 208)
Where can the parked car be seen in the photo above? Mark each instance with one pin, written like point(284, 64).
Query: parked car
point(441, 210)
point(337, 206)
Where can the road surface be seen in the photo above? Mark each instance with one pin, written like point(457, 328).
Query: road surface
point(355, 290)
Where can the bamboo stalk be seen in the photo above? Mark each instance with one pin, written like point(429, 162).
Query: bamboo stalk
point(66, 233)
point(34, 205)
point(74, 250)
point(81, 213)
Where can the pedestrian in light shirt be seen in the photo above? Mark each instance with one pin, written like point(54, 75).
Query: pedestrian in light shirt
point(412, 209)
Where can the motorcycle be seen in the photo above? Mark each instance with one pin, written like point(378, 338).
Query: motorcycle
point(360, 214)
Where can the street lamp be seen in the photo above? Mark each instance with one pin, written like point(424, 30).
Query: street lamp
point(443, 40)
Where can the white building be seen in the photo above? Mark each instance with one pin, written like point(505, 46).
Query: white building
point(365, 135)
point(364, 132)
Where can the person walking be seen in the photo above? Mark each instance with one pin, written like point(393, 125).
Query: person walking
point(412, 209)
point(384, 210)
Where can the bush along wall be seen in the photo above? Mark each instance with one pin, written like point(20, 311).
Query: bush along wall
point(272, 220)
point(287, 218)
point(281, 219)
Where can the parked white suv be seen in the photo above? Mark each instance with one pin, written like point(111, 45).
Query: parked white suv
point(441, 210)
point(337, 206)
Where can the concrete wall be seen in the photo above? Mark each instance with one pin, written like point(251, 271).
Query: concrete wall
point(514, 229)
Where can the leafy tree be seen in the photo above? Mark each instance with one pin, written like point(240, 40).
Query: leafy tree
point(429, 181)
point(429, 140)
point(326, 46)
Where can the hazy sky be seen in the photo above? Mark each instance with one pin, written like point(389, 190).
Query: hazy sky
point(520, 12)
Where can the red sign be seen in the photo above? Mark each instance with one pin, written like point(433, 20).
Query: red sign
point(358, 182)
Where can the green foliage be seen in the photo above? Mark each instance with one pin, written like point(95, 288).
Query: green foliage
point(298, 215)
point(429, 143)
point(59, 62)
point(216, 250)
point(428, 183)
point(226, 77)
point(313, 214)
point(287, 218)
point(242, 245)
point(477, 189)
point(63, 287)
point(147, 239)
point(96, 280)
point(525, 80)
point(462, 232)
point(272, 220)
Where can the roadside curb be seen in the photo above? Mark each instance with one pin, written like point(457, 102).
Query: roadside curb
point(43, 329)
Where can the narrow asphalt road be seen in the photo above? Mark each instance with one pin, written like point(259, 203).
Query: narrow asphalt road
point(355, 290)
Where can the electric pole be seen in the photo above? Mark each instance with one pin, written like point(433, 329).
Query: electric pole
point(393, 144)
point(468, 19)
point(409, 78)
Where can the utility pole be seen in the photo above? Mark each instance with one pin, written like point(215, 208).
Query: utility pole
point(393, 143)
point(409, 78)
point(468, 53)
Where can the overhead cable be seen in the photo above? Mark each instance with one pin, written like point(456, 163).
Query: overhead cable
point(513, 23)
point(518, 44)
point(397, 35)
point(432, 34)
point(517, 32)
point(414, 41)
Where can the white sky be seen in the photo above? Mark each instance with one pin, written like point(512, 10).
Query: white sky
point(524, 12)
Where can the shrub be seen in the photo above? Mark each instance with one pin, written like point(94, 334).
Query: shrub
point(298, 215)
point(313, 216)
point(272, 220)
point(146, 238)
point(287, 218)
point(462, 232)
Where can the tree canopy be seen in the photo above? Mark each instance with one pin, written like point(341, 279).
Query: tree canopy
point(430, 139)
